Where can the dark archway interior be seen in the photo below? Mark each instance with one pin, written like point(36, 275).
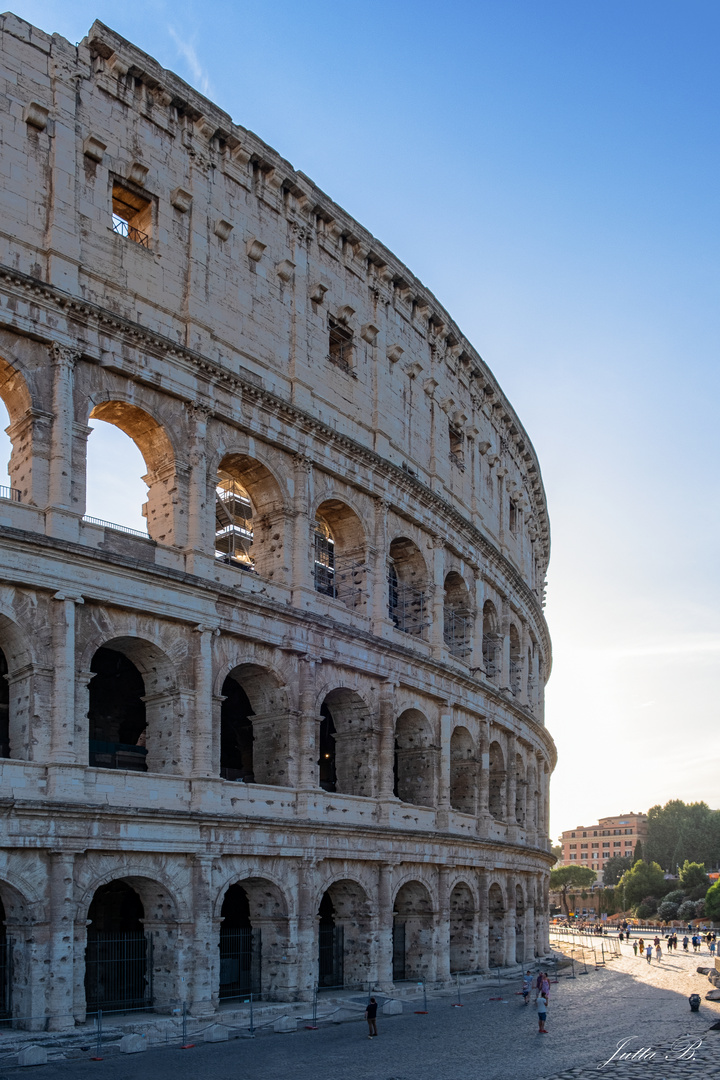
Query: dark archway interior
point(326, 762)
point(4, 708)
point(240, 955)
point(117, 973)
point(116, 713)
point(331, 946)
point(236, 734)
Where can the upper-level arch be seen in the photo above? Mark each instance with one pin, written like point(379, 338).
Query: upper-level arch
point(250, 515)
point(340, 554)
point(407, 589)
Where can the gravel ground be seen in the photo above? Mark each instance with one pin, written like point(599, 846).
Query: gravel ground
point(491, 1040)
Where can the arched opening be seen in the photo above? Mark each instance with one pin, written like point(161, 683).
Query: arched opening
point(519, 925)
point(17, 436)
point(240, 949)
point(344, 936)
point(326, 761)
point(491, 641)
point(5, 969)
point(340, 560)
point(520, 790)
point(415, 759)
point(413, 933)
point(497, 778)
point(253, 728)
point(110, 496)
point(463, 953)
point(236, 734)
point(253, 941)
point(117, 713)
point(348, 728)
point(407, 586)
point(496, 927)
point(463, 771)
point(249, 516)
point(458, 616)
point(515, 660)
point(133, 697)
point(4, 708)
point(531, 819)
point(118, 969)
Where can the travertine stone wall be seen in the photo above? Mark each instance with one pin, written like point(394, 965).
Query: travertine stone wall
point(210, 336)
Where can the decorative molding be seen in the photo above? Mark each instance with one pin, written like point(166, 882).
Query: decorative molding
point(36, 115)
point(222, 229)
point(181, 199)
point(369, 333)
point(285, 269)
point(394, 352)
point(317, 293)
point(254, 248)
point(94, 148)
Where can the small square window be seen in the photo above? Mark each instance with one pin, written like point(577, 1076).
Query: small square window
point(131, 214)
point(340, 343)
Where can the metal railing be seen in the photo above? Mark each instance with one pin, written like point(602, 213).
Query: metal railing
point(115, 526)
point(11, 493)
point(123, 228)
point(457, 633)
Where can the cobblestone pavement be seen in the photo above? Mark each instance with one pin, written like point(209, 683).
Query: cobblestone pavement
point(486, 1039)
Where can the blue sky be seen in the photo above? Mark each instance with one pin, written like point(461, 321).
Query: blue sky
point(549, 169)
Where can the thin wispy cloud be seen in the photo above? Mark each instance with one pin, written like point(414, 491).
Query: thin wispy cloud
point(187, 51)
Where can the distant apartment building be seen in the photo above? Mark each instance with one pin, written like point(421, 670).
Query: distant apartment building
point(593, 845)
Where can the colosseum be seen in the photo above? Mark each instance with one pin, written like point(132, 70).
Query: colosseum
point(292, 735)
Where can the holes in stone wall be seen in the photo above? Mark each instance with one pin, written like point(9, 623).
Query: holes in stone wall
point(458, 617)
point(415, 759)
point(116, 715)
point(463, 771)
point(407, 584)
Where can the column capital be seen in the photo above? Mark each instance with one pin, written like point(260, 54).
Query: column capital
point(63, 355)
point(68, 596)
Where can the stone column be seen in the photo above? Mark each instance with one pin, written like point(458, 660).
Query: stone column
point(308, 720)
point(511, 779)
point(436, 598)
point(204, 963)
point(442, 927)
point(476, 662)
point(384, 975)
point(510, 919)
point(64, 741)
point(503, 653)
point(523, 696)
point(443, 794)
point(378, 572)
point(530, 947)
point(61, 989)
point(303, 541)
point(199, 550)
point(203, 719)
point(61, 515)
point(482, 920)
point(307, 931)
point(386, 757)
point(483, 792)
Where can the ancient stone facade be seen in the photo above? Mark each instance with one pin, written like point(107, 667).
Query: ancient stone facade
point(295, 735)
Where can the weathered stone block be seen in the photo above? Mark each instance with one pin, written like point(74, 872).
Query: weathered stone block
point(392, 1008)
point(33, 1055)
point(285, 1023)
point(133, 1044)
point(216, 1033)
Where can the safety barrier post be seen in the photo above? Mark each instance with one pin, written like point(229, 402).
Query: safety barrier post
point(185, 1044)
point(314, 1025)
point(252, 1019)
point(458, 1004)
point(423, 1011)
point(98, 1038)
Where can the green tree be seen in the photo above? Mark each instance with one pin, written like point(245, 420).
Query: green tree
point(615, 868)
point(693, 879)
point(680, 831)
point(712, 902)
point(641, 880)
point(638, 852)
point(557, 851)
point(570, 877)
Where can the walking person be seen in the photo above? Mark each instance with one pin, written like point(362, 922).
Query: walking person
point(641, 946)
point(370, 1016)
point(635, 947)
point(527, 986)
point(648, 953)
point(541, 1004)
point(686, 942)
point(712, 946)
point(658, 952)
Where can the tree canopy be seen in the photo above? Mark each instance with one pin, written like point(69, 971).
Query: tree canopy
point(615, 868)
point(570, 877)
point(642, 880)
point(712, 901)
point(682, 831)
point(694, 879)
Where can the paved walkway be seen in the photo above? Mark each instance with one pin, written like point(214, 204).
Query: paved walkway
point(484, 1040)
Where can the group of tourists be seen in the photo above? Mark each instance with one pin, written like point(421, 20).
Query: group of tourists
point(671, 943)
point(541, 986)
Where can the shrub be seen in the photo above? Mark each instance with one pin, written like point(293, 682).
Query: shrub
point(667, 911)
point(686, 910)
point(643, 911)
point(699, 908)
point(675, 897)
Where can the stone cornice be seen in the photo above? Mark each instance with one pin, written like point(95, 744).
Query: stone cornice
point(294, 417)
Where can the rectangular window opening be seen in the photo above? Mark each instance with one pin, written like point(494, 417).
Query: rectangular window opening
point(131, 214)
point(340, 344)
